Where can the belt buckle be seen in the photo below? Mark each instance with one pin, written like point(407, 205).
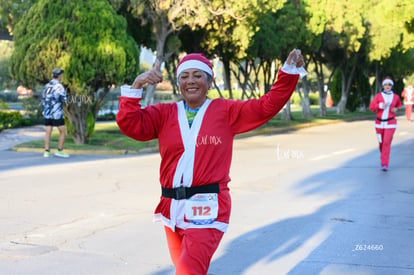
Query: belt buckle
point(180, 193)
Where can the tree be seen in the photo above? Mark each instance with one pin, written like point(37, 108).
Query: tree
point(278, 33)
point(166, 17)
point(318, 20)
point(391, 33)
point(6, 50)
point(229, 32)
point(85, 38)
point(11, 11)
point(348, 27)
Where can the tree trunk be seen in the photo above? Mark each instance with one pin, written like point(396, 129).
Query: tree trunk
point(305, 102)
point(227, 79)
point(340, 110)
point(162, 30)
point(81, 111)
point(346, 85)
point(76, 112)
point(322, 92)
point(286, 113)
point(149, 94)
point(322, 104)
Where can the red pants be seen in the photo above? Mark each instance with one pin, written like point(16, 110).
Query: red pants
point(385, 138)
point(408, 111)
point(191, 250)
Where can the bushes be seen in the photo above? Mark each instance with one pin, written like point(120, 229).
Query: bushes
point(359, 93)
point(313, 98)
point(12, 119)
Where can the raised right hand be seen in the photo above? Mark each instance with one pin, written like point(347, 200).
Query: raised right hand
point(151, 77)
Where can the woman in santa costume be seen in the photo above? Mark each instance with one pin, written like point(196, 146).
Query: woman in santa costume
point(408, 94)
point(385, 104)
point(195, 138)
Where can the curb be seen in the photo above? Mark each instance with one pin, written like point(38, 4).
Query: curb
point(269, 130)
point(88, 152)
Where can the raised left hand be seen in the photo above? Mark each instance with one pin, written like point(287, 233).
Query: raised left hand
point(295, 58)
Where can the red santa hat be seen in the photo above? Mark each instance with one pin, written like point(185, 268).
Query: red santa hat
point(388, 81)
point(195, 61)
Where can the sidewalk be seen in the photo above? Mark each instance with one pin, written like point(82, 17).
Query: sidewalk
point(11, 137)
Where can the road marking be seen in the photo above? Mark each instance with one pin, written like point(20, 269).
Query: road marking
point(333, 154)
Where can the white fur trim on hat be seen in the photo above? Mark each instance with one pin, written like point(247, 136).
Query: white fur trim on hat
point(194, 64)
point(387, 81)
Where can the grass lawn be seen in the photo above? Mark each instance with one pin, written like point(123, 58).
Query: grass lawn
point(107, 136)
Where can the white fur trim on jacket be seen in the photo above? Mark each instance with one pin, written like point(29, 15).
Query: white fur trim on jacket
point(127, 91)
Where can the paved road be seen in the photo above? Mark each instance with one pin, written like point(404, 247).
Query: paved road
point(312, 201)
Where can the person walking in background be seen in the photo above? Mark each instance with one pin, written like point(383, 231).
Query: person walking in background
point(385, 103)
point(195, 138)
point(408, 94)
point(53, 98)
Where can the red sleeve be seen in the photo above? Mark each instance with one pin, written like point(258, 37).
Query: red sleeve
point(247, 115)
point(374, 105)
point(137, 123)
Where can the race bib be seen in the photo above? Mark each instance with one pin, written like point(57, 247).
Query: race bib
point(202, 208)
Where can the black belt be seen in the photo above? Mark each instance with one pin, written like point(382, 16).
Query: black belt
point(181, 193)
point(387, 119)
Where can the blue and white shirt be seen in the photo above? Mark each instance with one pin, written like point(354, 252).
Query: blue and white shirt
point(54, 95)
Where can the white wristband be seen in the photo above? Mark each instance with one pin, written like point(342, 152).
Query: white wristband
point(292, 69)
point(127, 91)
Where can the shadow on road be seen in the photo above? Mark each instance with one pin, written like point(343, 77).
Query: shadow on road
point(17, 160)
point(369, 207)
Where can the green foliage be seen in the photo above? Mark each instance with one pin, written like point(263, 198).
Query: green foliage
point(33, 108)
point(85, 38)
point(335, 88)
point(3, 105)
point(73, 35)
point(70, 127)
point(359, 94)
point(11, 119)
point(313, 98)
point(390, 26)
point(90, 125)
point(11, 12)
point(6, 50)
point(213, 93)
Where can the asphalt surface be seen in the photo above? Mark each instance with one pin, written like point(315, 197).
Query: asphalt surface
point(313, 201)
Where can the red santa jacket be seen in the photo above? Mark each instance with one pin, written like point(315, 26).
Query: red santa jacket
point(382, 104)
point(202, 154)
point(408, 95)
